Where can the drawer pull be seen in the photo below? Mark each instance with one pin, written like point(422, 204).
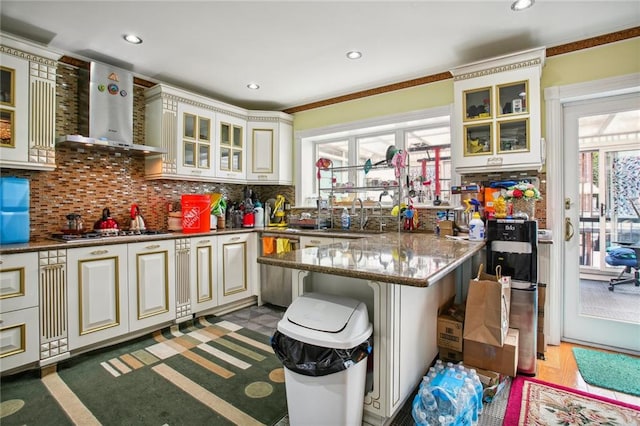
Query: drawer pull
point(235, 238)
point(99, 252)
point(315, 241)
point(204, 241)
point(152, 246)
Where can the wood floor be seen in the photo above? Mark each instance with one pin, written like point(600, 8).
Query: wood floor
point(560, 367)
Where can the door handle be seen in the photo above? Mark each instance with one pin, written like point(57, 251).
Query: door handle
point(568, 229)
point(602, 209)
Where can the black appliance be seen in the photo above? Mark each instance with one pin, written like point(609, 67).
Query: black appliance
point(513, 244)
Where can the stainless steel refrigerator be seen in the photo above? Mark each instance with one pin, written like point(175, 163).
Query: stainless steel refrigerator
point(513, 244)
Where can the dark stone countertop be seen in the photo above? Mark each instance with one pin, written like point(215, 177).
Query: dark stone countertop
point(415, 259)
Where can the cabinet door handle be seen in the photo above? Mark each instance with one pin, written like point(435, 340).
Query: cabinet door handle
point(152, 246)
point(99, 252)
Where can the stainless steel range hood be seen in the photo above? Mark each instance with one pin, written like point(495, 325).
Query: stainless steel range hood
point(105, 111)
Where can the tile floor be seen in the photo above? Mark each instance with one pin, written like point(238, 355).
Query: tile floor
point(263, 319)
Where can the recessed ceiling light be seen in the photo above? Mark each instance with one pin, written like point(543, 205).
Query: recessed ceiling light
point(354, 54)
point(132, 38)
point(253, 86)
point(521, 5)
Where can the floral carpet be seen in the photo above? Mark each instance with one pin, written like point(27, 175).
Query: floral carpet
point(534, 402)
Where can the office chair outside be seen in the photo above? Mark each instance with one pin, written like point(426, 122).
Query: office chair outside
point(627, 256)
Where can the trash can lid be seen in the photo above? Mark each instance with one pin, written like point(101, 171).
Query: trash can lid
point(326, 320)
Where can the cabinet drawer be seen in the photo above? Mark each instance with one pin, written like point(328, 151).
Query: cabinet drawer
point(18, 281)
point(19, 336)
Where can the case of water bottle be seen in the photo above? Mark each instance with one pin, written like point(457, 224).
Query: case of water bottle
point(449, 395)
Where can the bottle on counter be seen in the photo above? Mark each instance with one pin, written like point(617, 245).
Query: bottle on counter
point(259, 215)
point(345, 219)
point(476, 228)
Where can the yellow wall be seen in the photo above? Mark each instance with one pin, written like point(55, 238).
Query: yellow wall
point(590, 64)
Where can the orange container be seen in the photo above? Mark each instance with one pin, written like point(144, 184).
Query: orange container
point(195, 213)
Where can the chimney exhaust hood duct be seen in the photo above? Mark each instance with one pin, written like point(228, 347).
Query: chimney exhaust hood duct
point(105, 111)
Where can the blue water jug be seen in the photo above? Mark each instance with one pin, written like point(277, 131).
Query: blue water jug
point(14, 210)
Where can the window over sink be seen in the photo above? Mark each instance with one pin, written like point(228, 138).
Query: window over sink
point(425, 134)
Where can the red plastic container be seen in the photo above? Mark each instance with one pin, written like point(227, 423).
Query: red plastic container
point(196, 213)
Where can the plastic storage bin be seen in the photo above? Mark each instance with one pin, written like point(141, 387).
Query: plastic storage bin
point(14, 210)
point(323, 342)
point(196, 213)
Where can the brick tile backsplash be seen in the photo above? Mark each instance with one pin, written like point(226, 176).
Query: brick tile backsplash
point(87, 180)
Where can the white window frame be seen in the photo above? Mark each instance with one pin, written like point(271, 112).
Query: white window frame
point(306, 140)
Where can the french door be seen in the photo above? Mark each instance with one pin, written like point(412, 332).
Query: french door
point(601, 185)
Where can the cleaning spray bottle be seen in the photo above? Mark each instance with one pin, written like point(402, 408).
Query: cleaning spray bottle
point(476, 228)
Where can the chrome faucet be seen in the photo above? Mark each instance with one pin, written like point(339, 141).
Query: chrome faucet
point(378, 206)
point(363, 217)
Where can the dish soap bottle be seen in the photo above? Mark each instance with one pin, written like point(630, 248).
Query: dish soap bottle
point(476, 228)
point(345, 219)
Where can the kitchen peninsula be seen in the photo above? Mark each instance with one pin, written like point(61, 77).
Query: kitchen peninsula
point(403, 278)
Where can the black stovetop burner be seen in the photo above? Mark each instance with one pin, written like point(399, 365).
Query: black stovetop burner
point(94, 235)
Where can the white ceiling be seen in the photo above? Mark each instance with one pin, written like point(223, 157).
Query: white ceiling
point(296, 50)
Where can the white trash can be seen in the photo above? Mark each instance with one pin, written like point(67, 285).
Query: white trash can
point(318, 335)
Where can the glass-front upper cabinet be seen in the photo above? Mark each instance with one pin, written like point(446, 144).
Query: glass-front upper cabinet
point(477, 104)
point(231, 147)
point(196, 141)
point(497, 111)
point(195, 136)
point(512, 98)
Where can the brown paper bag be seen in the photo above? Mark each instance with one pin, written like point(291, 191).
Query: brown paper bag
point(487, 310)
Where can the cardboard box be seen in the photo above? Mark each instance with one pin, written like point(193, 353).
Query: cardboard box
point(449, 355)
point(446, 227)
point(450, 333)
point(494, 358)
point(450, 325)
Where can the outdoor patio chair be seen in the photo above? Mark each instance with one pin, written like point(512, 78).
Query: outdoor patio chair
point(627, 257)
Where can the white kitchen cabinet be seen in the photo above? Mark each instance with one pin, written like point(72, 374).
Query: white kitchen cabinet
point(204, 266)
point(54, 337)
point(497, 114)
point(231, 146)
point(27, 105)
point(238, 271)
point(195, 141)
point(19, 325)
point(270, 148)
point(184, 310)
point(152, 283)
point(98, 297)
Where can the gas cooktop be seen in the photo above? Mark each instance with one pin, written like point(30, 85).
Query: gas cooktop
point(104, 234)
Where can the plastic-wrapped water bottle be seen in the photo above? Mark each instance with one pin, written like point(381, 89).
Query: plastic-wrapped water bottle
point(479, 388)
point(429, 405)
point(418, 413)
point(473, 400)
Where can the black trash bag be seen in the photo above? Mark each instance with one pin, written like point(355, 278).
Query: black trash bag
point(311, 360)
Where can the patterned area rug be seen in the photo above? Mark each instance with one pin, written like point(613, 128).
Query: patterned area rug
point(207, 371)
point(534, 402)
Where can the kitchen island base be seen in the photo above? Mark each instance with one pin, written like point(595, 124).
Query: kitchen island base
point(404, 333)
